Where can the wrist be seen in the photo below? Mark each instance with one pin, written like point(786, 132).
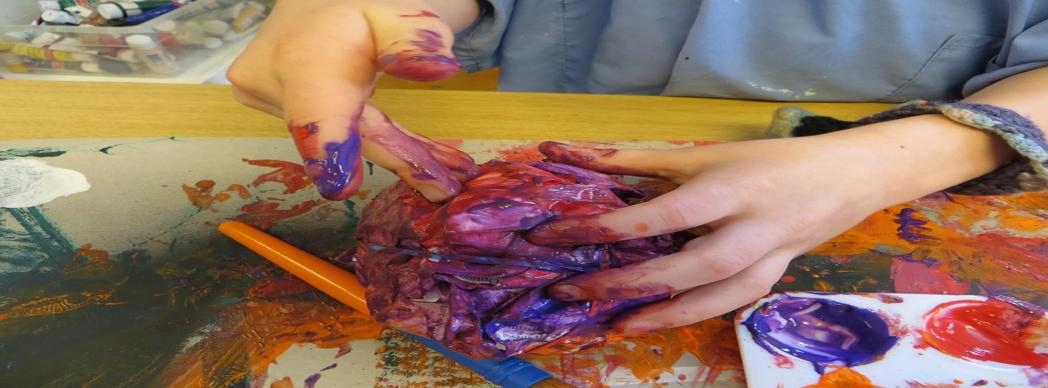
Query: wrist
point(916, 156)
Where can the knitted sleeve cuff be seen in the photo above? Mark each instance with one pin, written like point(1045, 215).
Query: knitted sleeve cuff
point(1027, 173)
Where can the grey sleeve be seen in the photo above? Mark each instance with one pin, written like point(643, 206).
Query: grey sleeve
point(1022, 51)
point(477, 47)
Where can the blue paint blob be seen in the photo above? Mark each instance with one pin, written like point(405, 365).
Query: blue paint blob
point(821, 331)
point(335, 172)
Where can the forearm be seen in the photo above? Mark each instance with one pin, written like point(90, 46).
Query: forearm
point(458, 14)
point(919, 155)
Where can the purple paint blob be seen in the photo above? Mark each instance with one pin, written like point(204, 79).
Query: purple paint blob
point(336, 167)
point(911, 228)
point(427, 60)
point(311, 381)
point(821, 331)
point(335, 173)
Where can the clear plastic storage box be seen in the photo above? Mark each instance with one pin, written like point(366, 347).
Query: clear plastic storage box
point(196, 34)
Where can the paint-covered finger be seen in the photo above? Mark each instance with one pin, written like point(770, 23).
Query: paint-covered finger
point(460, 163)
point(708, 301)
point(412, 160)
point(707, 259)
point(693, 204)
point(325, 84)
point(653, 163)
point(413, 42)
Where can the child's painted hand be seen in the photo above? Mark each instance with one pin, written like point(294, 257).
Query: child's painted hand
point(764, 202)
point(314, 63)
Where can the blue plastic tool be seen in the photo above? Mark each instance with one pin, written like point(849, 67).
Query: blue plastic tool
point(509, 373)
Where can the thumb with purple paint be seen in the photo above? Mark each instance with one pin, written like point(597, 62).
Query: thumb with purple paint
point(314, 64)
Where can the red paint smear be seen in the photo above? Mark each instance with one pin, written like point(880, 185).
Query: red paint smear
point(783, 362)
point(262, 213)
point(918, 278)
point(307, 147)
point(279, 287)
point(291, 175)
point(788, 279)
point(991, 330)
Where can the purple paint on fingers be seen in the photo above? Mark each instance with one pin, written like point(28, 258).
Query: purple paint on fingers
point(591, 158)
point(821, 331)
point(414, 153)
point(427, 60)
point(335, 167)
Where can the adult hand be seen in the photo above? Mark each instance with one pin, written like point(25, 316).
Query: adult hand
point(764, 202)
point(314, 63)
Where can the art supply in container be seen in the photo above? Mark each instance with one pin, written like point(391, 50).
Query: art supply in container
point(152, 54)
point(150, 14)
point(27, 50)
point(59, 18)
point(26, 66)
point(123, 9)
point(801, 339)
point(252, 12)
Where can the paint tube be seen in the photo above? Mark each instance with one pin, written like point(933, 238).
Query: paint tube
point(35, 64)
point(27, 50)
point(59, 18)
point(248, 16)
point(153, 55)
point(46, 39)
point(151, 14)
point(123, 9)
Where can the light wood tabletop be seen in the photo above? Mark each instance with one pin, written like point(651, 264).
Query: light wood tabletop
point(38, 109)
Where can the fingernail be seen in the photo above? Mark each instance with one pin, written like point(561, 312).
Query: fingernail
point(567, 292)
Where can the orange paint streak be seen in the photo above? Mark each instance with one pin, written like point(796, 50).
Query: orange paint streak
point(88, 261)
point(526, 153)
point(640, 227)
point(240, 190)
point(200, 194)
point(648, 356)
point(284, 382)
point(252, 335)
point(843, 378)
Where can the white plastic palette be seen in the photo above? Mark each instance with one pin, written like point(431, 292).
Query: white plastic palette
point(910, 363)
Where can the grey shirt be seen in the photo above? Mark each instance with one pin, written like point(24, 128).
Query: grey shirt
point(815, 50)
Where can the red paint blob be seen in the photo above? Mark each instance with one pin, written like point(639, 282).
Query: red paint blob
point(788, 279)
point(783, 362)
point(991, 330)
